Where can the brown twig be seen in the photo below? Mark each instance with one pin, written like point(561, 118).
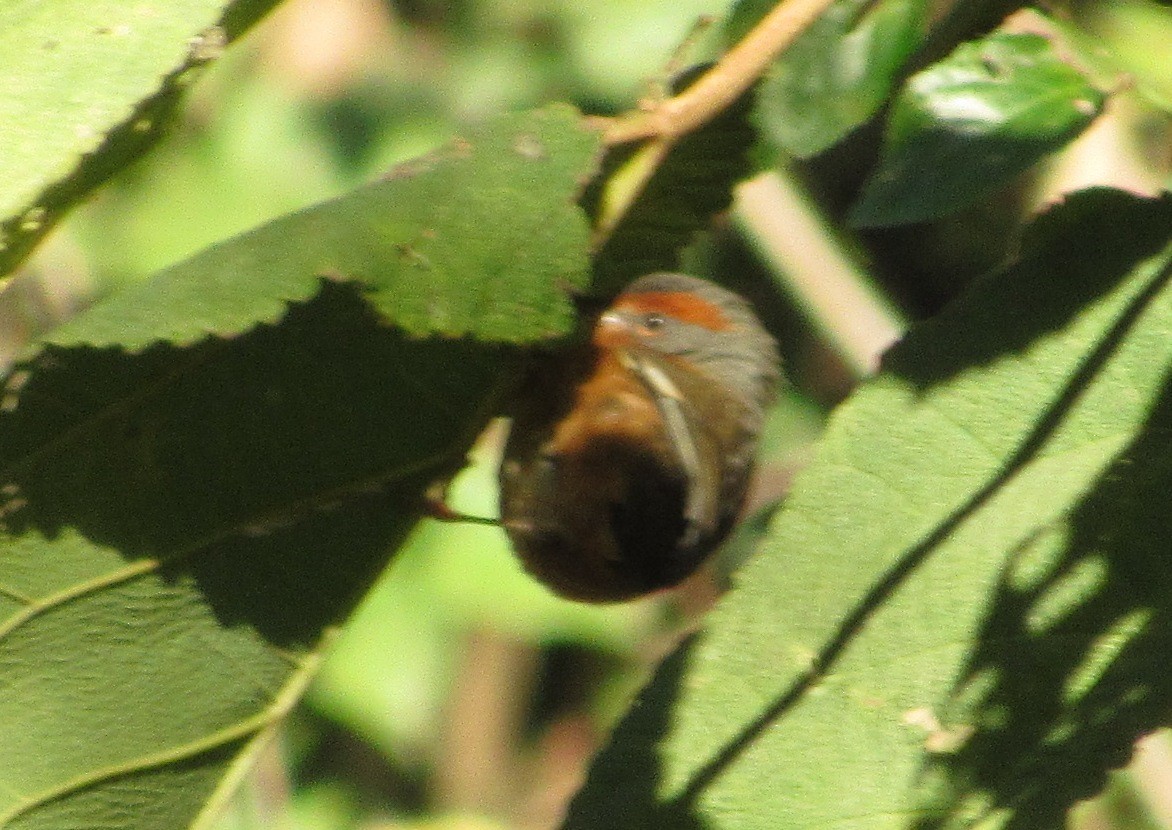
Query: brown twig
point(740, 67)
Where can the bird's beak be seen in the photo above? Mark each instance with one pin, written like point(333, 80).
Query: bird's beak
point(613, 331)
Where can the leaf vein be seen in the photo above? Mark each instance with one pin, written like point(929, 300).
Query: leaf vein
point(15, 595)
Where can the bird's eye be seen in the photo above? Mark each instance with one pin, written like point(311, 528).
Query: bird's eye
point(654, 322)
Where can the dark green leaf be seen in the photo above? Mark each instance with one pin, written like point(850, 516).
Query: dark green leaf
point(838, 73)
point(965, 126)
point(962, 613)
point(481, 239)
point(179, 528)
point(88, 85)
point(685, 191)
point(183, 515)
point(744, 15)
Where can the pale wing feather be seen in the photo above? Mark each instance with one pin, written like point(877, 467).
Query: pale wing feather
point(701, 508)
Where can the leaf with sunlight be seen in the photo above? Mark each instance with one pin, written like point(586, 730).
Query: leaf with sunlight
point(967, 125)
point(482, 238)
point(962, 612)
point(88, 86)
point(205, 472)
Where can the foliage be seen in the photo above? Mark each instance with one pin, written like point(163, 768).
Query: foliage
point(957, 617)
point(56, 53)
point(909, 627)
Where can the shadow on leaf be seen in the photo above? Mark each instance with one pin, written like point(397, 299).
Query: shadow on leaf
point(276, 469)
point(1071, 665)
point(637, 772)
point(1067, 244)
point(1106, 352)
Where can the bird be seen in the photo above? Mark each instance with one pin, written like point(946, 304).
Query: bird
point(628, 462)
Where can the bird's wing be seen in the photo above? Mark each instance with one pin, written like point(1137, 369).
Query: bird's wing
point(701, 506)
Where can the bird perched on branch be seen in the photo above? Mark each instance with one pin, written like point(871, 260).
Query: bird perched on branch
point(626, 467)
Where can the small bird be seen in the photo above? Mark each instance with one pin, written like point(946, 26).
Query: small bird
point(629, 464)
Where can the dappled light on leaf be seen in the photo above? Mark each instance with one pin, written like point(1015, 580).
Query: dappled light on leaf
point(828, 672)
point(1077, 655)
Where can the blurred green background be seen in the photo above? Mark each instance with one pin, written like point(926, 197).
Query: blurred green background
point(461, 694)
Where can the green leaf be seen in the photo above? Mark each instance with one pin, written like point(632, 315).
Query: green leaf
point(88, 86)
point(742, 17)
point(965, 126)
point(183, 515)
point(962, 613)
point(481, 239)
point(837, 74)
point(179, 528)
point(681, 195)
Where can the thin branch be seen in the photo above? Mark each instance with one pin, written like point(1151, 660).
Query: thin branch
point(726, 81)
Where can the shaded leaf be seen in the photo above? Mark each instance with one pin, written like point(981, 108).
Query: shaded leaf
point(965, 126)
point(935, 565)
point(182, 516)
point(88, 85)
point(837, 74)
point(742, 17)
point(179, 528)
point(687, 188)
point(482, 239)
